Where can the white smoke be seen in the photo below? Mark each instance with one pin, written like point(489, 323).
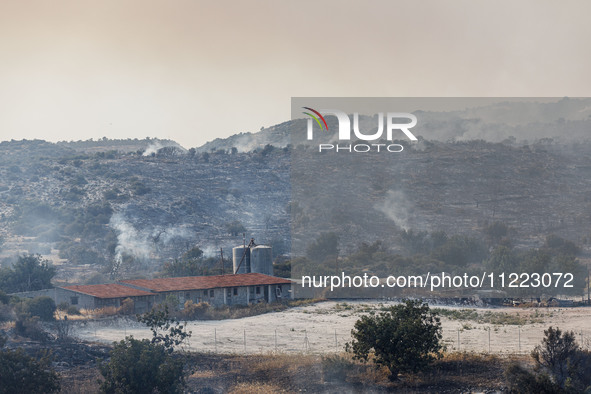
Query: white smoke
point(153, 148)
point(156, 146)
point(141, 244)
point(129, 240)
point(211, 251)
point(397, 208)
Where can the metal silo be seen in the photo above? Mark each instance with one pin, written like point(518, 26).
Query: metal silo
point(261, 259)
point(237, 254)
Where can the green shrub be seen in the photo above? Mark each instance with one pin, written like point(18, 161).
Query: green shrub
point(404, 338)
point(28, 327)
point(560, 366)
point(127, 307)
point(142, 367)
point(523, 381)
point(193, 311)
point(20, 373)
point(42, 307)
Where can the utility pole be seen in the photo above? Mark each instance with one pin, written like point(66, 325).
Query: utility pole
point(222, 256)
point(588, 286)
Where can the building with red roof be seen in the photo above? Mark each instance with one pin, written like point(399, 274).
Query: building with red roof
point(217, 290)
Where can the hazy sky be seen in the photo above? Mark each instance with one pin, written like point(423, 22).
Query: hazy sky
point(196, 70)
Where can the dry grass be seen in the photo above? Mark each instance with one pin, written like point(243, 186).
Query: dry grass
point(204, 311)
point(340, 373)
point(256, 388)
point(518, 318)
point(273, 373)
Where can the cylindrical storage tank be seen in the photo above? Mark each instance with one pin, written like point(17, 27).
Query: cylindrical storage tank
point(237, 254)
point(261, 260)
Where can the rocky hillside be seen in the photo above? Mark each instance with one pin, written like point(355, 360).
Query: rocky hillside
point(104, 208)
point(127, 206)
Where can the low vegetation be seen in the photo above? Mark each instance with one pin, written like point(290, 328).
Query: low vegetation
point(204, 311)
point(490, 317)
point(147, 366)
point(560, 366)
point(292, 373)
point(20, 373)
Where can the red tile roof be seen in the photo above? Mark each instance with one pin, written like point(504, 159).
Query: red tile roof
point(206, 282)
point(108, 290)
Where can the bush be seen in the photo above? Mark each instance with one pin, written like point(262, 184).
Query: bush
point(6, 313)
point(193, 311)
point(404, 338)
point(166, 330)
point(20, 373)
point(523, 381)
point(560, 366)
point(4, 298)
point(72, 310)
point(42, 307)
point(556, 354)
point(172, 302)
point(141, 367)
point(127, 307)
point(28, 327)
point(235, 228)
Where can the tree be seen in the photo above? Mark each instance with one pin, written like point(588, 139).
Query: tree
point(404, 338)
point(194, 253)
point(147, 366)
point(192, 263)
point(557, 354)
point(141, 367)
point(165, 330)
point(561, 246)
point(42, 307)
point(460, 251)
point(30, 272)
point(502, 259)
point(496, 231)
point(235, 228)
point(20, 373)
point(560, 366)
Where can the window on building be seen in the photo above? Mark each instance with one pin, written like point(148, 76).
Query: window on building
point(235, 291)
point(258, 289)
point(205, 293)
point(187, 296)
point(74, 300)
point(211, 293)
point(229, 292)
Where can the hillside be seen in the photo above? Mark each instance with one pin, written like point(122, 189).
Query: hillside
point(122, 208)
point(104, 208)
